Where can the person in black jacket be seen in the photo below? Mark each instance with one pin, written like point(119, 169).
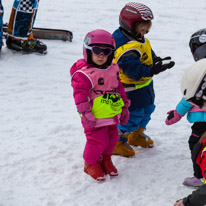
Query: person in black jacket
point(197, 198)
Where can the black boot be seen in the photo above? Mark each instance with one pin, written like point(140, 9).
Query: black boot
point(29, 46)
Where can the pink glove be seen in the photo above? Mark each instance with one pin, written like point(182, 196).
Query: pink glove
point(172, 117)
point(124, 116)
point(84, 107)
point(88, 119)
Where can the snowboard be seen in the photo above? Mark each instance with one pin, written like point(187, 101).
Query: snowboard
point(47, 33)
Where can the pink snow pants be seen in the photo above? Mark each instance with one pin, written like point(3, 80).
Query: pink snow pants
point(101, 140)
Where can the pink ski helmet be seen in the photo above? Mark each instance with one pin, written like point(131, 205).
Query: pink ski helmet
point(98, 37)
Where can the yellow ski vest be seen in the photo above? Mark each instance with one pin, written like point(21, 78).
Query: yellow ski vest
point(144, 49)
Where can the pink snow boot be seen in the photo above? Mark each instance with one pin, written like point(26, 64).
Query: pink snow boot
point(95, 171)
point(108, 166)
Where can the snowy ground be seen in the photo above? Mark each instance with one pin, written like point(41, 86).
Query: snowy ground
point(41, 136)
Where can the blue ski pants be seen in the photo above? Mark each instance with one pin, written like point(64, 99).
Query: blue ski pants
point(139, 118)
point(22, 18)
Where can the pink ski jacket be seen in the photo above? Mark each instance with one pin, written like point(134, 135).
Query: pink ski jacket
point(89, 82)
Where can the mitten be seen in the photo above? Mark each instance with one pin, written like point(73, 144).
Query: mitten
point(125, 112)
point(161, 65)
point(88, 119)
point(124, 116)
point(172, 117)
point(84, 107)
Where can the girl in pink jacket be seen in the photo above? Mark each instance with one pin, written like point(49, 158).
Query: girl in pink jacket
point(101, 102)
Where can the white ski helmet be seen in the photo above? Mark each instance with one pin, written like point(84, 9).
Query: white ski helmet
point(193, 84)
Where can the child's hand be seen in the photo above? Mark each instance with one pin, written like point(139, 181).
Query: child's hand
point(124, 116)
point(84, 107)
point(161, 65)
point(88, 119)
point(179, 203)
point(156, 59)
point(172, 117)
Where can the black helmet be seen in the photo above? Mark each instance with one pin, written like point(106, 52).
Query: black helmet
point(198, 44)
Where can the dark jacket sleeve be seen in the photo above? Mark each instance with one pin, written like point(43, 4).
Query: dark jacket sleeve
point(197, 198)
point(132, 67)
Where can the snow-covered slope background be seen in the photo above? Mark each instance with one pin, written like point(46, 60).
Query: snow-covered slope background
point(41, 138)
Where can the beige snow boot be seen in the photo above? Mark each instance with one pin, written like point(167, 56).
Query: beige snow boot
point(138, 138)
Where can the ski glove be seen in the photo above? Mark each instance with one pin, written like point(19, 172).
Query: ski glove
point(88, 119)
point(124, 116)
point(172, 117)
point(156, 59)
point(161, 65)
point(84, 107)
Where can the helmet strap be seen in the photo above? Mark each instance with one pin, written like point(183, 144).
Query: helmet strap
point(200, 95)
point(137, 36)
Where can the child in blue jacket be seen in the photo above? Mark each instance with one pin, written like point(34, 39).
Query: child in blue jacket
point(138, 63)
